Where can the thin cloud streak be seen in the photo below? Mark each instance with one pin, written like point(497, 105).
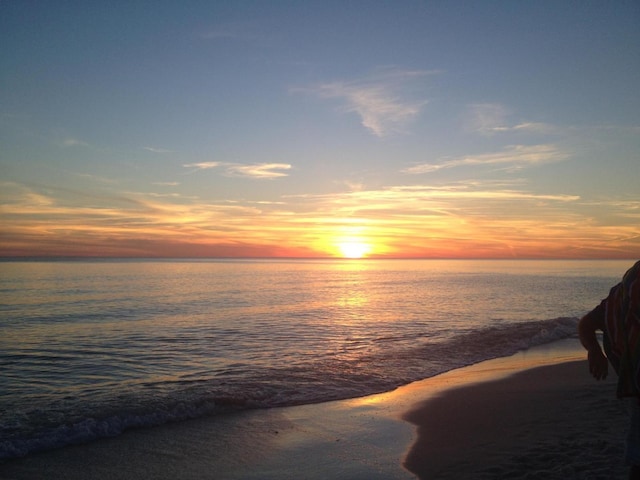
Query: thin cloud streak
point(157, 150)
point(493, 118)
point(203, 165)
point(258, 170)
point(263, 170)
point(514, 156)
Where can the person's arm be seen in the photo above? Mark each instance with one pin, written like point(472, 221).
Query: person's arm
point(598, 363)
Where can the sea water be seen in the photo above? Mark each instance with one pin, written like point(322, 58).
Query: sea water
point(91, 348)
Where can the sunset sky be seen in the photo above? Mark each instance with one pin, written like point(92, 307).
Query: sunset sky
point(320, 128)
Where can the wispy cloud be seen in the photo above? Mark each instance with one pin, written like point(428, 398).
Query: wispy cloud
point(166, 184)
point(203, 165)
point(414, 199)
point(382, 100)
point(157, 150)
point(258, 170)
point(513, 157)
point(493, 118)
point(95, 178)
point(262, 170)
point(530, 127)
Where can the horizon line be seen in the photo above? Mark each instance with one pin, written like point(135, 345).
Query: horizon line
point(52, 258)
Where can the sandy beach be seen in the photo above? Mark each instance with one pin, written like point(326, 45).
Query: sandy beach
point(537, 414)
point(547, 422)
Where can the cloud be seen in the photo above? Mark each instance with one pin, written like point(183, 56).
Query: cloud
point(382, 100)
point(258, 170)
point(411, 199)
point(95, 178)
point(514, 156)
point(493, 118)
point(166, 184)
point(262, 170)
point(203, 165)
point(157, 150)
point(462, 191)
point(531, 127)
point(487, 117)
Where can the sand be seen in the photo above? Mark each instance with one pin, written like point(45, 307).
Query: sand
point(537, 414)
point(550, 422)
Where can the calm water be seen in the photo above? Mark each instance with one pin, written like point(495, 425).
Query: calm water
point(88, 349)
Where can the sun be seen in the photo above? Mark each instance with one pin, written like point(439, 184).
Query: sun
point(354, 249)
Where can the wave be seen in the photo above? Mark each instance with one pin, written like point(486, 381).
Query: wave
point(383, 367)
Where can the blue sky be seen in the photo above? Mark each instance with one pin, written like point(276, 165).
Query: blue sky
point(408, 128)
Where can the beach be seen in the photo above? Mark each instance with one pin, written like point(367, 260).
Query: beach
point(536, 414)
point(549, 422)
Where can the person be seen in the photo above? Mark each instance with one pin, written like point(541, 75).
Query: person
point(618, 317)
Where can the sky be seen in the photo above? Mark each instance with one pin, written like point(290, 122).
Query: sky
point(418, 129)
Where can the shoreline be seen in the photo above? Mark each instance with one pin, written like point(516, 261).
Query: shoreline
point(386, 436)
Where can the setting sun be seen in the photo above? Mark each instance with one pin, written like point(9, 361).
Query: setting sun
point(354, 249)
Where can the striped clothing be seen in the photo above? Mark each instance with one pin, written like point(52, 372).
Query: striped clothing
point(621, 310)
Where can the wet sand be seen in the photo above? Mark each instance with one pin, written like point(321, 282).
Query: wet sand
point(551, 422)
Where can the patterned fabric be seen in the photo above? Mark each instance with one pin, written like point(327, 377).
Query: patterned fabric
point(622, 331)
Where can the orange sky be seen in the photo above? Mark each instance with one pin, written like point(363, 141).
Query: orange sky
point(415, 222)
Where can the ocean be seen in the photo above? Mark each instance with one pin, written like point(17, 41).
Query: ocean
point(90, 348)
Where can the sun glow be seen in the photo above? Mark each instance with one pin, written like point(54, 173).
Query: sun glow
point(354, 249)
